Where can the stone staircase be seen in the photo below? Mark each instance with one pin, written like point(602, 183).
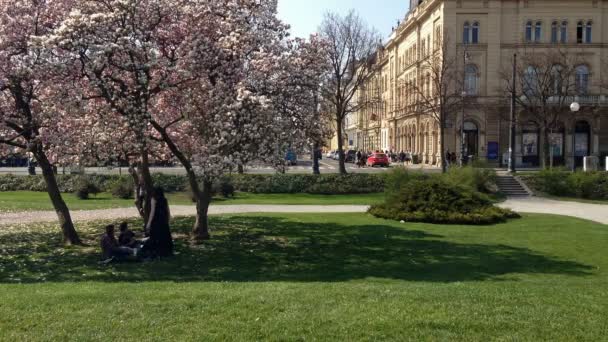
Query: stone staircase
point(511, 187)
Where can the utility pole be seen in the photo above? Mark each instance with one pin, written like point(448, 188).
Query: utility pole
point(512, 161)
point(315, 146)
point(463, 157)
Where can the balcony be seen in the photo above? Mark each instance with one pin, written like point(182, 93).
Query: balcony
point(585, 100)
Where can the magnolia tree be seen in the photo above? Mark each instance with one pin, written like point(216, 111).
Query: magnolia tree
point(29, 111)
point(197, 75)
point(130, 52)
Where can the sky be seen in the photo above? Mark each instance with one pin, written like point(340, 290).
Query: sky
point(304, 16)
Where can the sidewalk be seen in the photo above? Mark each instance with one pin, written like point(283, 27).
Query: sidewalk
point(592, 212)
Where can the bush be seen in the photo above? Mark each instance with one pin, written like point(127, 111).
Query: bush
point(436, 199)
point(562, 183)
point(122, 187)
point(274, 183)
point(224, 187)
point(85, 187)
point(482, 180)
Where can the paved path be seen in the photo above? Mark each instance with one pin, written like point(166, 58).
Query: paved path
point(176, 210)
point(593, 212)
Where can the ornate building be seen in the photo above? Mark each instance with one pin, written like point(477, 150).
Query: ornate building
point(483, 36)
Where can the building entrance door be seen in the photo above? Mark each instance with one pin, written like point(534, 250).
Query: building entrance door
point(471, 139)
point(582, 133)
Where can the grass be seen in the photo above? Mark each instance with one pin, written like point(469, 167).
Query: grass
point(315, 277)
point(12, 201)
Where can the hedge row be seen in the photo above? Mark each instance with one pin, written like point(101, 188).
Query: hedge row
point(587, 185)
point(453, 198)
point(275, 183)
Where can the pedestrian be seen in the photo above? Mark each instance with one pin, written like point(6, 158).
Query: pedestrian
point(160, 243)
point(448, 157)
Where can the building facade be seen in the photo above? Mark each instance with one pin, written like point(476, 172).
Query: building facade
point(483, 36)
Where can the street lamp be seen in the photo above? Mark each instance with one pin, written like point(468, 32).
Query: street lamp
point(462, 134)
point(574, 108)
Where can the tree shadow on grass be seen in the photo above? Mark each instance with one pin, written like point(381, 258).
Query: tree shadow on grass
point(259, 248)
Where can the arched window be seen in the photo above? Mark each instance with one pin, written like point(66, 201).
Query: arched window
point(564, 32)
point(470, 79)
point(531, 81)
point(579, 32)
point(529, 31)
point(554, 32)
point(538, 31)
point(466, 33)
point(588, 30)
point(557, 79)
point(475, 33)
point(582, 79)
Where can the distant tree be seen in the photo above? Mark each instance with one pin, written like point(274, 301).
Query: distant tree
point(438, 89)
point(546, 84)
point(351, 45)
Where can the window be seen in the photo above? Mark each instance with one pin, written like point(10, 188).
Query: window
point(531, 81)
point(470, 79)
point(582, 79)
point(557, 79)
point(475, 33)
point(529, 31)
point(538, 32)
point(554, 32)
point(579, 32)
point(588, 33)
point(466, 33)
point(564, 32)
point(423, 47)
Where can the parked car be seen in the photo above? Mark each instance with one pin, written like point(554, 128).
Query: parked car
point(330, 154)
point(335, 155)
point(291, 158)
point(378, 159)
point(350, 156)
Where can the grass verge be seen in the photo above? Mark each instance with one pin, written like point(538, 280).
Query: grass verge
point(315, 277)
point(12, 201)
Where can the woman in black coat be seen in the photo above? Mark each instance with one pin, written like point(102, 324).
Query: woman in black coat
point(160, 242)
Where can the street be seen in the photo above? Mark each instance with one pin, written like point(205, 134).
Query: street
point(304, 166)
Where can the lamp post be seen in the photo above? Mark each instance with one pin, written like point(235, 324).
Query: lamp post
point(574, 108)
point(463, 158)
point(512, 131)
point(465, 57)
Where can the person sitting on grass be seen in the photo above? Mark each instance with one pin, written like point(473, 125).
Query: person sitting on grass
point(110, 248)
point(126, 237)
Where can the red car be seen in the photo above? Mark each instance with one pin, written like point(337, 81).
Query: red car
point(378, 159)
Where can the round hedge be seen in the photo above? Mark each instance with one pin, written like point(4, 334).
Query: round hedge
point(434, 200)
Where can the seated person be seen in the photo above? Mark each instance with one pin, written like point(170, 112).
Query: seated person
point(126, 237)
point(110, 248)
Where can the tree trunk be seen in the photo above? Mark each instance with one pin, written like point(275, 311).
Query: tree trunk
point(202, 198)
point(145, 181)
point(241, 169)
point(444, 166)
point(315, 160)
point(70, 236)
point(137, 191)
point(340, 147)
point(200, 230)
point(545, 149)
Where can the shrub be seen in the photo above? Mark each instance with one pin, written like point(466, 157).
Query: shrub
point(85, 187)
point(122, 187)
point(436, 200)
point(587, 185)
point(223, 187)
point(483, 180)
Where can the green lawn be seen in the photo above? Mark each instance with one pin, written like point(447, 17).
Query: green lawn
point(334, 277)
point(28, 200)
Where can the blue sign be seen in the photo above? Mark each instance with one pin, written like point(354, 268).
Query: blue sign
point(492, 150)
